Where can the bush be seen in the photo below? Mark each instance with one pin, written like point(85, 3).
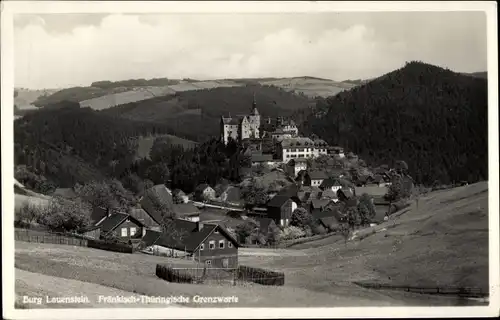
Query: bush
point(301, 218)
point(66, 216)
point(28, 214)
point(292, 232)
point(261, 276)
point(171, 275)
point(110, 246)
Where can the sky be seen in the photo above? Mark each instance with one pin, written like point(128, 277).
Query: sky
point(65, 50)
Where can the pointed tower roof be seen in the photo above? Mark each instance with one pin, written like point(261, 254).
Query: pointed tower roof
point(254, 106)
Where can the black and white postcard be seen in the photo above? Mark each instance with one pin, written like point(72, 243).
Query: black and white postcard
point(249, 159)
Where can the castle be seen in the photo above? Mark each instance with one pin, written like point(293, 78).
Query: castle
point(241, 127)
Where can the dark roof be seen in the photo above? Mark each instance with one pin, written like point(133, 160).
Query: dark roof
point(347, 192)
point(264, 222)
point(178, 192)
point(97, 214)
point(262, 157)
point(278, 201)
point(91, 228)
point(373, 190)
point(318, 174)
point(200, 188)
point(113, 221)
point(329, 221)
point(330, 182)
point(185, 209)
point(67, 193)
point(328, 194)
point(141, 215)
point(187, 237)
point(150, 237)
point(326, 213)
point(318, 204)
point(161, 194)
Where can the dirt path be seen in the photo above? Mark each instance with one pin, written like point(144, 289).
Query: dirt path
point(38, 285)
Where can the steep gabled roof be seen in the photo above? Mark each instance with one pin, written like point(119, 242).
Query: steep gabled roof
point(186, 235)
point(319, 203)
point(185, 209)
point(161, 194)
point(318, 175)
point(142, 216)
point(114, 220)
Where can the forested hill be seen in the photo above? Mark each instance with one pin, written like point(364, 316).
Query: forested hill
point(69, 144)
point(195, 115)
point(434, 119)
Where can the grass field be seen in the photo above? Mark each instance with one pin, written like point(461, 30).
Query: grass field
point(443, 242)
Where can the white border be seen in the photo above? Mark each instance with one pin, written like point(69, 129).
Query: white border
point(11, 7)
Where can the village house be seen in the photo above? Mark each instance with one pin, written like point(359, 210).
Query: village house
point(320, 148)
point(241, 127)
point(204, 192)
point(317, 177)
point(312, 178)
point(328, 194)
point(187, 211)
point(344, 194)
point(281, 206)
point(331, 220)
point(209, 244)
point(141, 215)
point(299, 147)
point(262, 159)
point(278, 135)
point(337, 152)
point(122, 226)
point(294, 166)
point(332, 184)
point(156, 200)
point(318, 205)
point(307, 193)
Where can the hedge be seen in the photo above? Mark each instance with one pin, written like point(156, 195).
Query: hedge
point(109, 246)
point(171, 275)
point(261, 276)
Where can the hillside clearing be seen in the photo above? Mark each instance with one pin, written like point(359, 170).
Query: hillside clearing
point(442, 243)
point(144, 144)
point(38, 285)
point(136, 273)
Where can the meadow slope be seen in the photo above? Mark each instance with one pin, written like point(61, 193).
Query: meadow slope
point(442, 242)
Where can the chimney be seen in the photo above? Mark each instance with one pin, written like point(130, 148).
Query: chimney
point(199, 225)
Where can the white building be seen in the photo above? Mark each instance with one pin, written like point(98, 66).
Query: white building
point(294, 166)
point(241, 127)
point(320, 148)
point(296, 148)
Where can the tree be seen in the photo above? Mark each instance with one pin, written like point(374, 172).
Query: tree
point(253, 194)
point(158, 173)
point(28, 214)
point(366, 208)
point(353, 217)
point(67, 216)
point(273, 234)
point(246, 229)
point(108, 194)
point(292, 232)
point(301, 218)
point(400, 188)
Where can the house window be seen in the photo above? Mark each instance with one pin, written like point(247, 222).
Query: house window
point(282, 222)
point(133, 230)
point(124, 232)
point(208, 262)
point(229, 244)
point(211, 245)
point(221, 244)
point(202, 247)
point(286, 221)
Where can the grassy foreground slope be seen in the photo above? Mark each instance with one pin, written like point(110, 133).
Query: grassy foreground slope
point(443, 242)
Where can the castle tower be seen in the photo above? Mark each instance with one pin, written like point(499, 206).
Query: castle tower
point(254, 120)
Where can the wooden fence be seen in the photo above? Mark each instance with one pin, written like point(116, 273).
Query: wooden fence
point(455, 291)
point(49, 237)
point(71, 239)
point(219, 276)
